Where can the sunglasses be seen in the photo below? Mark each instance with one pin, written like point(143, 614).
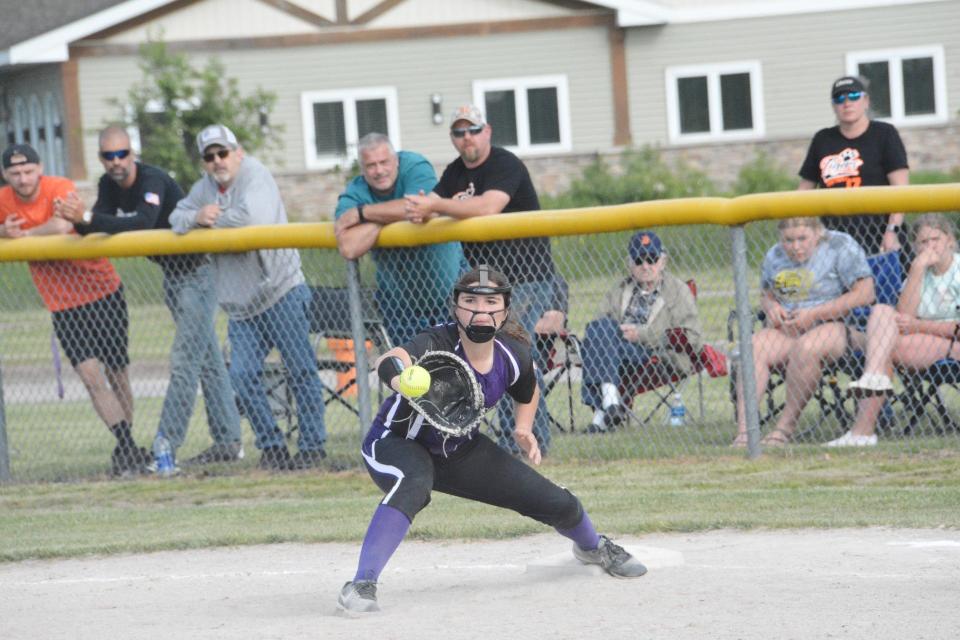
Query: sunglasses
point(852, 96)
point(646, 258)
point(475, 130)
point(119, 154)
point(222, 154)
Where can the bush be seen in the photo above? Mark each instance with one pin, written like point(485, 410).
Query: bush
point(763, 175)
point(645, 176)
point(174, 101)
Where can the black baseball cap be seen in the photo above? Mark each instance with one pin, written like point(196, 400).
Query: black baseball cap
point(645, 243)
point(846, 84)
point(20, 154)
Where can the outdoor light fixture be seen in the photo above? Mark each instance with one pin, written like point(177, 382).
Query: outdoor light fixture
point(436, 103)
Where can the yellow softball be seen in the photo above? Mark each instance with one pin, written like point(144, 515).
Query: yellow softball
point(414, 381)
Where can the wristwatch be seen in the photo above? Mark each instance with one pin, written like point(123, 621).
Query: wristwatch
point(87, 217)
point(893, 228)
point(360, 214)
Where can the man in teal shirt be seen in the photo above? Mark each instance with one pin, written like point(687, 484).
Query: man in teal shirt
point(413, 284)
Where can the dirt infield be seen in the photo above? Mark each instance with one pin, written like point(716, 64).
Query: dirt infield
point(870, 583)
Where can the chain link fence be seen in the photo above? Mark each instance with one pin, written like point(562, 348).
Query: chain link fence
point(642, 364)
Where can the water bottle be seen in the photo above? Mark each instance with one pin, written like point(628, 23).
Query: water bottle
point(163, 456)
point(678, 412)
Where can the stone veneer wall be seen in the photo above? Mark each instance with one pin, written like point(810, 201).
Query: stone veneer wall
point(312, 197)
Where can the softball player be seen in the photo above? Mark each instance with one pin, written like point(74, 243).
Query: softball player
point(407, 458)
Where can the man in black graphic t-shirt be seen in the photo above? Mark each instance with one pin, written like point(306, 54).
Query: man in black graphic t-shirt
point(487, 180)
point(858, 152)
point(133, 196)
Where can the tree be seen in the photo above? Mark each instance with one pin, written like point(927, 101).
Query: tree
point(174, 101)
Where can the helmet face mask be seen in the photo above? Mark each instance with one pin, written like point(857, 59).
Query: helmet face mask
point(483, 286)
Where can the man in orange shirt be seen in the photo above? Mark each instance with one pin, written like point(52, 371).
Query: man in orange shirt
point(85, 297)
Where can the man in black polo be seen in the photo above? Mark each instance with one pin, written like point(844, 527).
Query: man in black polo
point(133, 196)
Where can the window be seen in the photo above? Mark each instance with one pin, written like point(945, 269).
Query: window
point(714, 102)
point(528, 115)
point(907, 86)
point(333, 122)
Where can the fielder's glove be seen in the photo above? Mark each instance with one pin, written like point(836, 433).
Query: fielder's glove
point(454, 403)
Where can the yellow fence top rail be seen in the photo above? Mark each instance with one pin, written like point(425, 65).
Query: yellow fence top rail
point(684, 211)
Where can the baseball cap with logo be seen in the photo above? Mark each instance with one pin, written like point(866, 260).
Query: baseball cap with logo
point(19, 154)
point(468, 112)
point(645, 243)
point(846, 84)
point(216, 134)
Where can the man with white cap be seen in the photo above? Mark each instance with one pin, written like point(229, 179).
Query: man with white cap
point(262, 292)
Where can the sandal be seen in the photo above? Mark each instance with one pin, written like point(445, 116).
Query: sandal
point(740, 442)
point(776, 438)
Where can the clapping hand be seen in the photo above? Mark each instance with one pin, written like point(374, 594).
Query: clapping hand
point(70, 208)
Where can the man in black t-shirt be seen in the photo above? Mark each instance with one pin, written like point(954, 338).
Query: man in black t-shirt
point(133, 196)
point(858, 152)
point(483, 181)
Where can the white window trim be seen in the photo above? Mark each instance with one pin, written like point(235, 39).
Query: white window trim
point(349, 97)
point(713, 73)
point(894, 58)
point(519, 86)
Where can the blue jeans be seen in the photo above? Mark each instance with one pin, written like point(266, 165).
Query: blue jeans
point(286, 327)
point(195, 355)
point(605, 357)
point(529, 301)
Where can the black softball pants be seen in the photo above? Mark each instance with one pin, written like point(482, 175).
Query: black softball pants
point(478, 470)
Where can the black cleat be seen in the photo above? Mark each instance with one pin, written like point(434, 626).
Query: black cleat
point(615, 415)
point(275, 459)
point(308, 459)
point(219, 452)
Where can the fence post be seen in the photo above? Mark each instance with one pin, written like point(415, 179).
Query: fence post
point(4, 450)
point(745, 370)
point(359, 346)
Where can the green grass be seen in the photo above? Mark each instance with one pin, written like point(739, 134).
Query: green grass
point(847, 489)
point(64, 441)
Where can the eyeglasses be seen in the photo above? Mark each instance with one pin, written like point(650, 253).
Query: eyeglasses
point(222, 154)
point(646, 258)
point(119, 154)
point(475, 130)
point(852, 96)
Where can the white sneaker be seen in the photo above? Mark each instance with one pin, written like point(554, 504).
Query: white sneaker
point(850, 440)
point(871, 384)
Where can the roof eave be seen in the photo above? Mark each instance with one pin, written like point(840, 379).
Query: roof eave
point(53, 46)
point(627, 18)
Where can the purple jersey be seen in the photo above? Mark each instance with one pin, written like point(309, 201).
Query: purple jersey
point(512, 372)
